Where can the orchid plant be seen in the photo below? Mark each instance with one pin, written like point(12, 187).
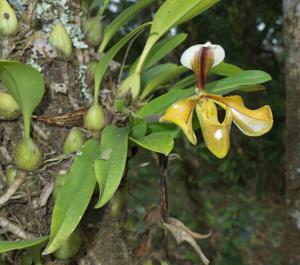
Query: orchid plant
point(201, 58)
point(126, 115)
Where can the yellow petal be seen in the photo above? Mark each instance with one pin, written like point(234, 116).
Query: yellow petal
point(250, 122)
point(181, 113)
point(216, 135)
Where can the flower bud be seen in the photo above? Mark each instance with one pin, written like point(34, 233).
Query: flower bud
point(27, 155)
point(8, 19)
point(60, 39)
point(73, 141)
point(93, 30)
point(94, 119)
point(8, 107)
point(70, 247)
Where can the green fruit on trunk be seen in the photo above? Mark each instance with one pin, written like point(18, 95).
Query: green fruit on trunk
point(27, 155)
point(8, 107)
point(73, 141)
point(93, 30)
point(60, 39)
point(94, 119)
point(8, 19)
point(11, 174)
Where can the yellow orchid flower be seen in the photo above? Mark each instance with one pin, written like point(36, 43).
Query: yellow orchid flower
point(201, 58)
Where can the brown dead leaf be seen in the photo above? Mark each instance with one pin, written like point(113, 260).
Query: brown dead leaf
point(68, 119)
point(184, 234)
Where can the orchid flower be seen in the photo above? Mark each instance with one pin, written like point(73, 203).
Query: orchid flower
point(201, 58)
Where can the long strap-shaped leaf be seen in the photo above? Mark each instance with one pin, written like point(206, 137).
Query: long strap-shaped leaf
point(221, 87)
point(170, 14)
point(12, 245)
point(118, 22)
point(111, 165)
point(160, 50)
point(160, 75)
point(74, 196)
point(106, 59)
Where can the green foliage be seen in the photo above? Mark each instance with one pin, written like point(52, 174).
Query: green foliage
point(237, 81)
point(74, 196)
point(160, 50)
point(8, 245)
point(225, 69)
point(26, 85)
point(110, 167)
point(123, 18)
point(157, 76)
point(106, 59)
point(159, 142)
point(170, 13)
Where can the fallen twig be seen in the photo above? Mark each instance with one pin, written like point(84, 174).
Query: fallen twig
point(11, 191)
point(14, 229)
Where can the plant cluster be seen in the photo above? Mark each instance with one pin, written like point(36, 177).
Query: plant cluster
point(145, 98)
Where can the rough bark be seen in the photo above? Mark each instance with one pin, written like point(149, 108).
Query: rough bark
point(292, 40)
point(66, 91)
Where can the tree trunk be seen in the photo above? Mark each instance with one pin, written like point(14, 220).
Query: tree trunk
point(292, 40)
point(68, 88)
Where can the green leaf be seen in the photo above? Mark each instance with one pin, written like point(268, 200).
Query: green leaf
point(160, 50)
point(170, 14)
point(253, 88)
point(184, 83)
point(110, 168)
point(74, 196)
point(236, 81)
point(159, 75)
point(222, 69)
point(106, 59)
point(159, 142)
point(225, 69)
point(123, 18)
point(26, 85)
point(168, 128)
point(13, 245)
point(158, 105)
point(139, 128)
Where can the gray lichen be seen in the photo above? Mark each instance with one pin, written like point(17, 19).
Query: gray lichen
point(83, 86)
point(54, 10)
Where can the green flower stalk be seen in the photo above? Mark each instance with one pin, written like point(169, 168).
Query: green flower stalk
point(8, 107)
point(8, 19)
point(60, 39)
point(93, 30)
point(73, 141)
point(94, 119)
point(27, 155)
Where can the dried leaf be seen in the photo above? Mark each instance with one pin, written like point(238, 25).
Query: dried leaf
point(184, 234)
point(68, 119)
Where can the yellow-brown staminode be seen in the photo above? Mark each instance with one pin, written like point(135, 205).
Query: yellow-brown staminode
point(216, 134)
